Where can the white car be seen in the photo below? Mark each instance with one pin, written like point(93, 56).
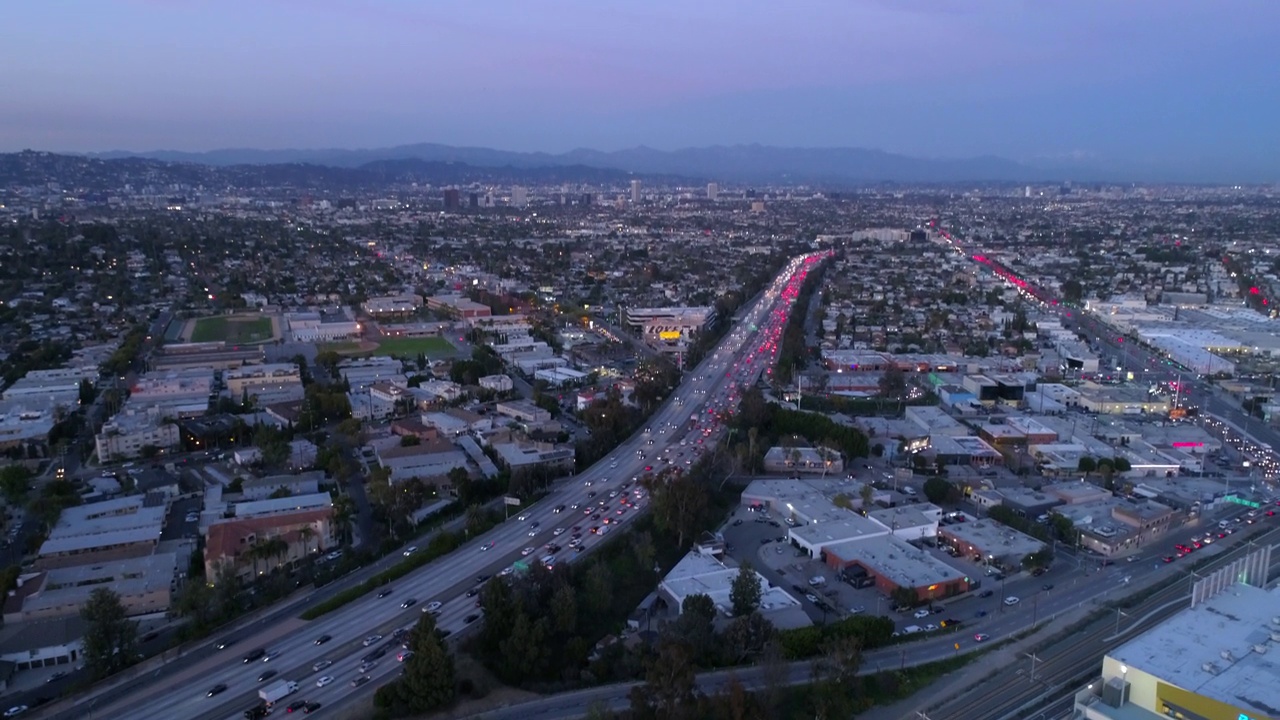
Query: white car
point(410, 550)
point(558, 531)
point(371, 640)
point(367, 666)
point(15, 711)
point(527, 551)
point(533, 533)
point(1012, 600)
point(322, 664)
point(432, 607)
point(522, 517)
point(921, 613)
point(321, 682)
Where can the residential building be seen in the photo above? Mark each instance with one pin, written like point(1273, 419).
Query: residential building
point(819, 461)
point(104, 531)
point(262, 488)
point(265, 534)
point(458, 306)
point(265, 384)
point(392, 305)
point(133, 431)
point(144, 585)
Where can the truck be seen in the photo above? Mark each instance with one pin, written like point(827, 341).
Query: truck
point(273, 694)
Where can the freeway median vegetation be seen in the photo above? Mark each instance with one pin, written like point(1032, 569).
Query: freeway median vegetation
point(440, 545)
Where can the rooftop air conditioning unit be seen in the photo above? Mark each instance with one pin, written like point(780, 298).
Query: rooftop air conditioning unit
point(1260, 649)
point(1226, 655)
point(1210, 668)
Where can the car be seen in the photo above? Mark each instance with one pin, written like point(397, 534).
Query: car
point(533, 532)
point(323, 639)
point(527, 551)
point(271, 656)
point(483, 578)
point(981, 637)
point(986, 593)
point(522, 517)
point(15, 711)
point(404, 655)
point(320, 665)
point(921, 613)
point(371, 640)
point(360, 681)
point(296, 705)
point(333, 555)
point(311, 707)
point(254, 655)
point(471, 618)
point(558, 509)
point(385, 593)
point(575, 506)
point(321, 682)
point(267, 675)
point(1047, 587)
point(366, 666)
point(408, 603)
point(223, 644)
point(219, 688)
point(558, 531)
point(410, 550)
point(1012, 600)
point(55, 677)
point(475, 590)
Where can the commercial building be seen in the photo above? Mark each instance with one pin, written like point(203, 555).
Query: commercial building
point(1212, 660)
point(933, 421)
point(426, 461)
point(323, 325)
point(262, 488)
point(699, 574)
point(896, 564)
point(522, 410)
point(990, 542)
point(820, 461)
point(966, 450)
point(266, 384)
point(666, 327)
point(175, 393)
point(19, 425)
point(392, 305)
point(213, 355)
point(531, 457)
point(44, 643)
point(497, 383)
point(50, 389)
point(144, 585)
point(360, 373)
point(458, 306)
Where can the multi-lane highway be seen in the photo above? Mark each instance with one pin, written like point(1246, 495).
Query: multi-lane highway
point(576, 515)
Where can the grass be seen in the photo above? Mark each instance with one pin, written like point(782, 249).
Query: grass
point(232, 330)
point(412, 346)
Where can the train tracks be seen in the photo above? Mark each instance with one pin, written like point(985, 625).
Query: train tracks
point(1040, 680)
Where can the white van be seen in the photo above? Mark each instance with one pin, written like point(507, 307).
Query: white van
point(912, 629)
point(1222, 524)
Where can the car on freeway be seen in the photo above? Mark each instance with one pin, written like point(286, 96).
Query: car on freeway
point(533, 532)
point(522, 517)
point(405, 655)
point(558, 531)
point(371, 640)
point(267, 675)
point(980, 637)
point(296, 705)
point(254, 655)
point(483, 578)
point(527, 551)
point(223, 644)
point(216, 689)
point(360, 681)
point(15, 711)
point(410, 550)
point(366, 666)
point(408, 602)
point(487, 546)
point(311, 707)
point(471, 618)
point(385, 592)
point(475, 591)
point(321, 682)
point(323, 639)
point(320, 665)
point(271, 656)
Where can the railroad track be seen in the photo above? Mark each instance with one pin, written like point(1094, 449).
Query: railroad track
point(1039, 681)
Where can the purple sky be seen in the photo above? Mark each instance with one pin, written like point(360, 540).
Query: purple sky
point(1134, 80)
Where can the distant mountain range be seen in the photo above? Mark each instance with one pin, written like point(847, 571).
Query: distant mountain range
point(736, 163)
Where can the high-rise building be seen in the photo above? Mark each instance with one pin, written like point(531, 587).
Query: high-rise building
point(635, 191)
point(473, 200)
point(452, 199)
point(1027, 192)
point(918, 236)
point(713, 191)
point(519, 196)
point(586, 199)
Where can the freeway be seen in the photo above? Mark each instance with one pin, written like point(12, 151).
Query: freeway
point(579, 511)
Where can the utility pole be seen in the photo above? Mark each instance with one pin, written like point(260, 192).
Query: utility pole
point(1119, 614)
point(1034, 659)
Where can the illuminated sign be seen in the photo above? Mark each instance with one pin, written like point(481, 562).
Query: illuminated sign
point(1241, 501)
point(669, 334)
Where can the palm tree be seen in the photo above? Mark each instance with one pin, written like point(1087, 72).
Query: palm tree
point(305, 533)
point(278, 547)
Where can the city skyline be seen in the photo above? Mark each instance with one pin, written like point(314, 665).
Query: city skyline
point(1161, 90)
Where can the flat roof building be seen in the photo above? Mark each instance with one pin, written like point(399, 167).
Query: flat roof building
point(1212, 660)
point(897, 564)
point(698, 574)
point(144, 585)
point(993, 542)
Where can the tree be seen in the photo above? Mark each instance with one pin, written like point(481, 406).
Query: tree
point(1086, 465)
point(427, 683)
point(564, 610)
point(904, 597)
point(834, 672)
point(696, 626)
point(864, 494)
point(1121, 464)
point(15, 483)
point(1042, 558)
point(679, 501)
point(893, 383)
point(670, 689)
point(842, 500)
point(939, 491)
point(746, 637)
point(776, 677)
point(110, 637)
point(410, 440)
point(599, 589)
point(745, 593)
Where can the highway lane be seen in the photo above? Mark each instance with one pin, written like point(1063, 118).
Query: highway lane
point(712, 387)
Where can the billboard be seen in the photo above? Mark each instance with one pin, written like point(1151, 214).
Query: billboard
point(508, 500)
point(669, 334)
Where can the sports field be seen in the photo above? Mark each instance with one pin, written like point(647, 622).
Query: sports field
point(410, 346)
point(233, 330)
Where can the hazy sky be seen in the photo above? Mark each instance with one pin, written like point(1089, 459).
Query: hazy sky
point(1131, 80)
